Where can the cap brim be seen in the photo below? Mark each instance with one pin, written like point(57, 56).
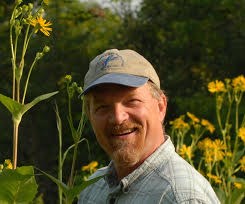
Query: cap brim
point(118, 78)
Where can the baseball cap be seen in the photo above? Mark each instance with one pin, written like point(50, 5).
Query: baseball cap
point(124, 67)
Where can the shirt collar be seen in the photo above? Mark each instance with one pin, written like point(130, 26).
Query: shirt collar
point(159, 157)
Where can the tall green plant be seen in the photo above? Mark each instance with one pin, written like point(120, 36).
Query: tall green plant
point(25, 21)
point(221, 159)
point(18, 184)
point(70, 189)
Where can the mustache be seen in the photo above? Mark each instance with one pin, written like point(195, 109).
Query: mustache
point(115, 129)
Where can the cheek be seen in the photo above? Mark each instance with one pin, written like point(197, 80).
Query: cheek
point(97, 123)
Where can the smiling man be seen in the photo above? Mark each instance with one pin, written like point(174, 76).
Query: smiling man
point(126, 108)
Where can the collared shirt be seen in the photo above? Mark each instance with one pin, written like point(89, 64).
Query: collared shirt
point(164, 177)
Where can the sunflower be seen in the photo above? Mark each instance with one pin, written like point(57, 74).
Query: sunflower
point(216, 86)
point(40, 24)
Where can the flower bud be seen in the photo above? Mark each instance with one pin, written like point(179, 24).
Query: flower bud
point(18, 27)
point(30, 6)
point(41, 11)
point(68, 78)
point(25, 8)
point(74, 85)
point(17, 23)
point(1, 167)
point(19, 2)
point(24, 21)
point(12, 21)
point(219, 102)
point(46, 49)
point(17, 12)
point(39, 55)
point(46, 2)
point(18, 30)
point(71, 92)
point(79, 90)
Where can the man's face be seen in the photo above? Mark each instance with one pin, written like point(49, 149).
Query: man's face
point(127, 121)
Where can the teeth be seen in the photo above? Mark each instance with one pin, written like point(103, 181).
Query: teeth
point(124, 132)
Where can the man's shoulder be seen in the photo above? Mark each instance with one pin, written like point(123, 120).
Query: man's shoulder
point(99, 172)
point(94, 193)
point(184, 181)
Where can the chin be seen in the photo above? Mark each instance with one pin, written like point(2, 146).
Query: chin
point(124, 157)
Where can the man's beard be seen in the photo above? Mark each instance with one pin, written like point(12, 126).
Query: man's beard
point(126, 152)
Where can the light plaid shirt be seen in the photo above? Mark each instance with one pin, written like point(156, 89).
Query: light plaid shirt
point(164, 177)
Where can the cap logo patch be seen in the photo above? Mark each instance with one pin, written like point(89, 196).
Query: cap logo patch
point(109, 60)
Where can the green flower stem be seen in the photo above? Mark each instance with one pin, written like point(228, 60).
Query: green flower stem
point(13, 80)
point(200, 164)
point(15, 143)
point(27, 80)
point(70, 181)
point(82, 120)
point(13, 51)
point(223, 131)
point(236, 127)
point(26, 41)
point(18, 90)
point(74, 158)
point(218, 115)
point(13, 60)
point(60, 159)
point(228, 116)
point(21, 64)
point(71, 177)
point(196, 138)
point(76, 141)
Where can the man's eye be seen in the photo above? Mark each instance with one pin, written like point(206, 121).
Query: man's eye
point(101, 108)
point(134, 101)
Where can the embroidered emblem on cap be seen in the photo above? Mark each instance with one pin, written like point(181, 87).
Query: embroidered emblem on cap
point(109, 60)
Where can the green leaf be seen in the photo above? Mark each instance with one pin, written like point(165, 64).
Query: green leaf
point(18, 186)
point(238, 180)
point(68, 149)
point(239, 155)
point(17, 110)
point(71, 193)
point(63, 186)
point(237, 196)
point(75, 191)
point(221, 194)
point(74, 133)
point(13, 106)
point(37, 100)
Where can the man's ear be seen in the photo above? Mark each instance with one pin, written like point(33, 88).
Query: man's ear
point(162, 106)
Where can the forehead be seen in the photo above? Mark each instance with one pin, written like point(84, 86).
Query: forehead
point(105, 90)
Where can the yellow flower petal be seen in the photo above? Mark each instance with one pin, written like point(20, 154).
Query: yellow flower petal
point(215, 178)
point(241, 133)
point(242, 162)
point(208, 125)
point(40, 24)
point(216, 86)
point(239, 83)
point(186, 151)
point(193, 117)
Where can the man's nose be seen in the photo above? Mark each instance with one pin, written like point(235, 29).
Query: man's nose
point(118, 114)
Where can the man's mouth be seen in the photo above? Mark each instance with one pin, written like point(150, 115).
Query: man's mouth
point(124, 132)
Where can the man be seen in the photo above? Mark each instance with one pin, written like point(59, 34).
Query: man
point(126, 108)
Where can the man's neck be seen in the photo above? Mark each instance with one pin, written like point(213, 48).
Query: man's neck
point(124, 170)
